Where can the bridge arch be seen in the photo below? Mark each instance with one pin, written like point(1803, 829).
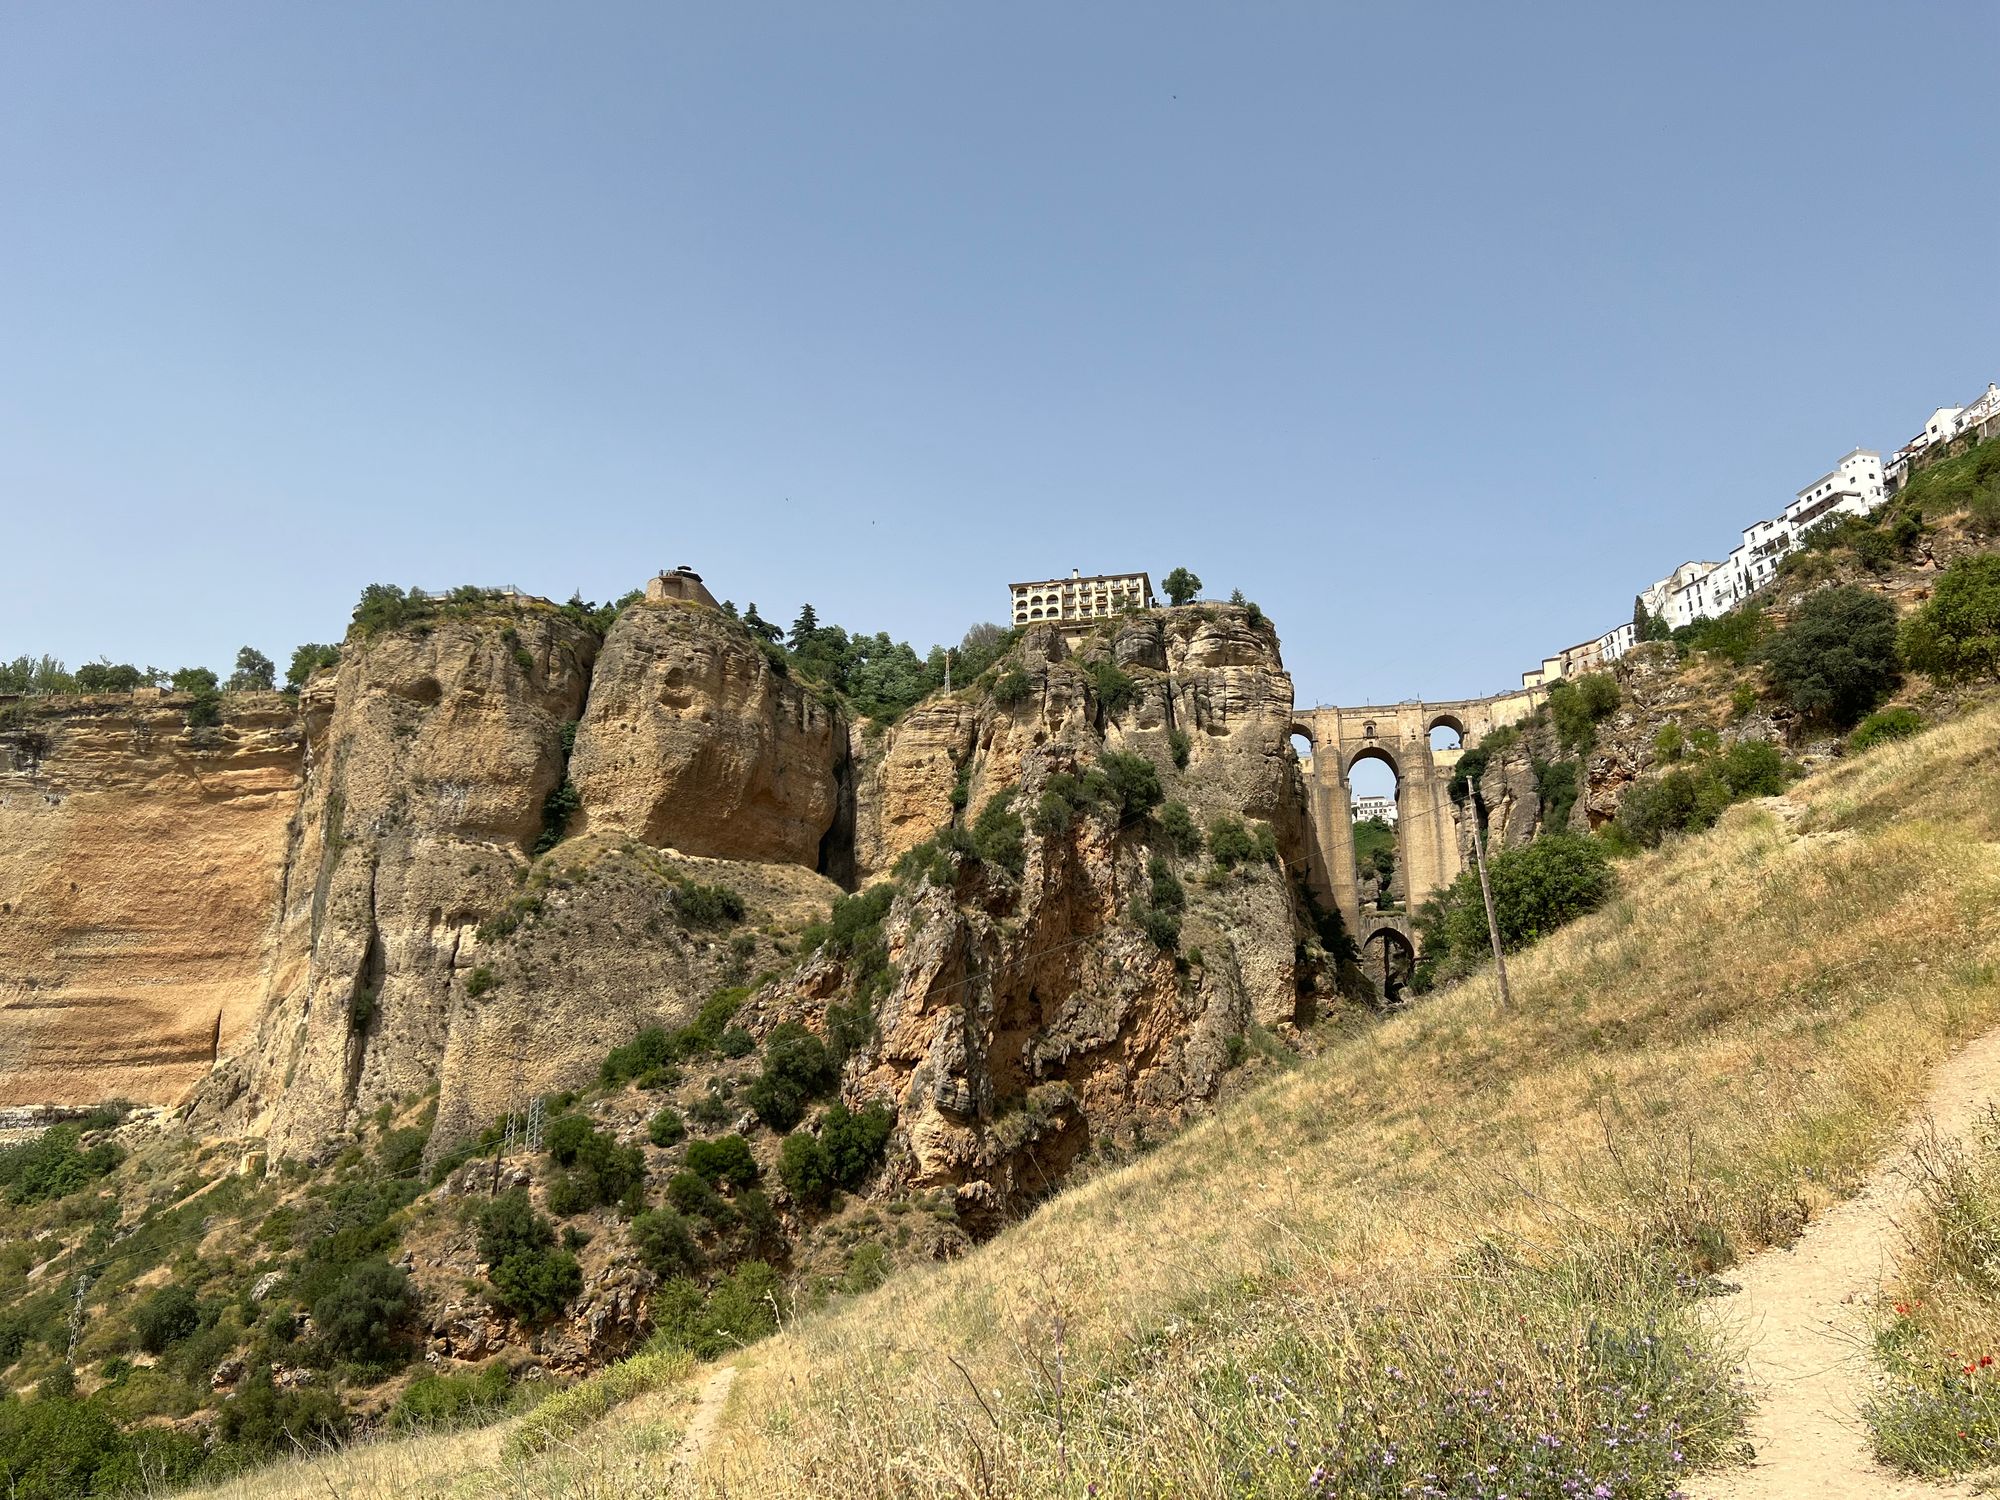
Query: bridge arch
point(1389, 958)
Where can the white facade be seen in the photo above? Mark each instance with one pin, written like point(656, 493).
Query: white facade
point(1854, 488)
point(1858, 485)
point(1374, 806)
point(1097, 597)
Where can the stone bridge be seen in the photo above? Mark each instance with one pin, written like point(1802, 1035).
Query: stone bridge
point(1428, 848)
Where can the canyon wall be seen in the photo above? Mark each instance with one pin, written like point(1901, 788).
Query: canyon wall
point(142, 865)
point(480, 854)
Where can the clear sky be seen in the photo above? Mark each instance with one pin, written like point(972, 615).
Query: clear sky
point(1438, 330)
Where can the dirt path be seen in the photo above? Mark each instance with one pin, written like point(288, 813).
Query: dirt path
point(707, 1412)
point(1803, 1312)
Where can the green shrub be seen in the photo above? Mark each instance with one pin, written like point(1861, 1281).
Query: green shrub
point(855, 1142)
point(57, 1447)
point(307, 660)
point(666, 1128)
point(706, 905)
point(805, 1170)
point(1177, 825)
point(1578, 707)
point(365, 1317)
point(1012, 688)
point(726, 1159)
point(1180, 747)
point(165, 1318)
point(1837, 658)
point(53, 1165)
point(1113, 688)
point(401, 1152)
point(600, 1170)
point(1889, 724)
point(1955, 636)
point(1736, 636)
point(561, 1416)
point(736, 1313)
point(1162, 927)
point(655, 1049)
point(442, 1403)
point(1134, 783)
point(479, 981)
point(711, 1108)
point(1230, 843)
point(1537, 887)
point(667, 1243)
point(537, 1284)
point(1743, 701)
point(557, 809)
point(998, 834)
point(694, 1195)
point(1556, 790)
point(797, 1068)
point(1669, 741)
point(530, 1277)
point(262, 1421)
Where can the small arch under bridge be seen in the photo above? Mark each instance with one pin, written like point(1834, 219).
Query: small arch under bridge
point(1431, 848)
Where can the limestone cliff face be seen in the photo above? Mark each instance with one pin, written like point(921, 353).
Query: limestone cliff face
point(597, 946)
point(141, 865)
point(431, 755)
point(692, 741)
point(1204, 672)
point(1032, 1019)
point(373, 919)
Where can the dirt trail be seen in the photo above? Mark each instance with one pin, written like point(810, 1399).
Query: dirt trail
point(707, 1412)
point(1803, 1309)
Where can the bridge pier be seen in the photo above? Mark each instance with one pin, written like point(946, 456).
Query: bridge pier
point(1427, 845)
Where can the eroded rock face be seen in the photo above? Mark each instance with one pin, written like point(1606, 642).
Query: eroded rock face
point(1032, 1019)
point(140, 869)
point(431, 758)
point(692, 741)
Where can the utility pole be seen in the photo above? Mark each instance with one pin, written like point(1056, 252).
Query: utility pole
point(947, 671)
point(1486, 890)
point(76, 1319)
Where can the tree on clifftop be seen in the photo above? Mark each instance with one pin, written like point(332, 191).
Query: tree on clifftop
point(1181, 586)
point(255, 672)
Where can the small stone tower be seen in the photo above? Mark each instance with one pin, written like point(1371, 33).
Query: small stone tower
point(682, 583)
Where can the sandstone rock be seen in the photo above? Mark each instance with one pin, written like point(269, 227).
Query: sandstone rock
point(227, 1374)
point(113, 982)
point(693, 742)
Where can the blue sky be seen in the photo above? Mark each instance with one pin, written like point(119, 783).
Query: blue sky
point(1437, 330)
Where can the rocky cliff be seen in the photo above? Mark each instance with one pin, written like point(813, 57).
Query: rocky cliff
point(485, 851)
point(1032, 1016)
point(141, 869)
point(693, 740)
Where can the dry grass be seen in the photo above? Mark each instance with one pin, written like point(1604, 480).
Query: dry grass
point(1686, 1076)
point(1936, 1407)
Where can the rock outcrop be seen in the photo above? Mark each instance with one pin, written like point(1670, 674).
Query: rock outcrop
point(433, 753)
point(487, 849)
point(692, 740)
point(1032, 1018)
point(141, 869)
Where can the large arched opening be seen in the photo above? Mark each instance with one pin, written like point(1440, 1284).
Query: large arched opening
point(1389, 958)
point(1374, 785)
point(1447, 733)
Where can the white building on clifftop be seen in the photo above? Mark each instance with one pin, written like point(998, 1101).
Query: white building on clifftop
point(1077, 598)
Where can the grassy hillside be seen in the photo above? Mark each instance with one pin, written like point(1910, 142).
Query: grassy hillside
point(1466, 1242)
